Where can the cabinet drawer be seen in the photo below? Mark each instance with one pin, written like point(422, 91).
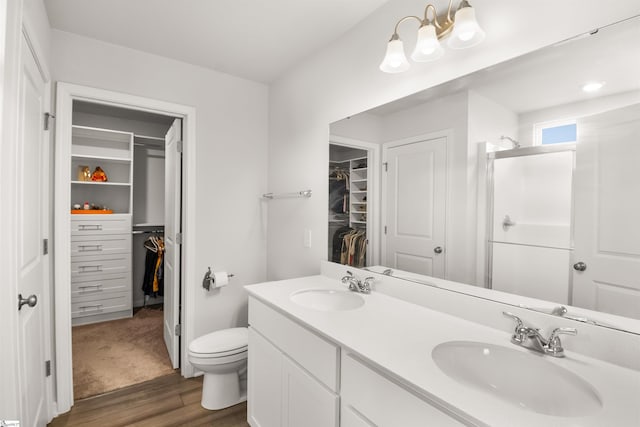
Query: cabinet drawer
point(97, 266)
point(100, 245)
point(385, 403)
point(82, 225)
point(317, 355)
point(108, 303)
point(90, 286)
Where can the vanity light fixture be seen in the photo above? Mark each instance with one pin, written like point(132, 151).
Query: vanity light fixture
point(463, 31)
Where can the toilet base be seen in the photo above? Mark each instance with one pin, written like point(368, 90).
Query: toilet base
point(220, 391)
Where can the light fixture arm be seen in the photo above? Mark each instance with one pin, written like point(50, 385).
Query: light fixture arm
point(395, 35)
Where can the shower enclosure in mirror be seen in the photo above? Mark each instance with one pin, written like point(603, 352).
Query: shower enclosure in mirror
point(518, 179)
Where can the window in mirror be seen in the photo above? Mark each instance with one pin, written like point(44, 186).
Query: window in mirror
point(550, 133)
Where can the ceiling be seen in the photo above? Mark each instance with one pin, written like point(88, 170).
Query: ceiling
point(256, 40)
point(550, 76)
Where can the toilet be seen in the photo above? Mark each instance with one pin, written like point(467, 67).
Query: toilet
point(222, 356)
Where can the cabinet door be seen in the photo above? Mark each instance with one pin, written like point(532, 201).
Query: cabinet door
point(264, 382)
point(305, 401)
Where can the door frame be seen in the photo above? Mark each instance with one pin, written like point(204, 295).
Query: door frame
point(448, 231)
point(373, 196)
point(66, 93)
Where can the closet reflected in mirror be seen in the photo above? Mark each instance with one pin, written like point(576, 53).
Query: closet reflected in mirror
point(348, 205)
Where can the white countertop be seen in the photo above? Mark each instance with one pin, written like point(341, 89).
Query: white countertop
point(398, 338)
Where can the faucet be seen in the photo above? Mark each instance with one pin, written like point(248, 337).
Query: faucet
point(357, 285)
point(523, 334)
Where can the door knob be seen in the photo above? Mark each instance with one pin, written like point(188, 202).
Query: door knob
point(30, 301)
point(437, 250)
point(580, 266)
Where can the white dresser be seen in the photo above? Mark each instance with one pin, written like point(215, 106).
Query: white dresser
point(100, 268)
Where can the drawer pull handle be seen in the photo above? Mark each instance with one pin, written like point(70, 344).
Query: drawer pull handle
point(82, 227)
point(97, 307)
point(83, 248)
point(95, 288)
point(90, 268)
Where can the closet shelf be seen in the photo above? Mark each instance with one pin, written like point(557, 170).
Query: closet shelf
point(359, 169)
point(121, 184)
point(359, 180)
point(104, 158)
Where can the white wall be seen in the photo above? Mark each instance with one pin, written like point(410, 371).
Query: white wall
point(343, 79)
point(231, 119)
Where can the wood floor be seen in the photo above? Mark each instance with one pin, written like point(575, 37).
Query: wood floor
point(167, 401)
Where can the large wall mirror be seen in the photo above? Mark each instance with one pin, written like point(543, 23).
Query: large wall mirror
point(520, 179)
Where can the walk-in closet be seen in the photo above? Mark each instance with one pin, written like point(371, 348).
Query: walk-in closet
point(348, 205)
point(117, 188)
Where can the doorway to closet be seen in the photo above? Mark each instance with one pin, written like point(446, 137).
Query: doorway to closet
point(118, 246)
point(118, 243)
point(353, 177)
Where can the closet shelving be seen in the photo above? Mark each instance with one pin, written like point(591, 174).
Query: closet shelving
point(101, 243)
point(358, 175)
point(112, 151)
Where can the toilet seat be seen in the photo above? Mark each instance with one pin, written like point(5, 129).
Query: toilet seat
point(219, 344)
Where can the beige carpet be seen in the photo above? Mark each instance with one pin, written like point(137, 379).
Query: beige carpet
point(111, 355)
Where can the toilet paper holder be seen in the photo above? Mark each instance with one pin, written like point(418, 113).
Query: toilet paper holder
point(209, 280)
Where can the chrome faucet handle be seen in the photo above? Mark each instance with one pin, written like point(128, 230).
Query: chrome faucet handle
point(520, 331)
point(366, 284)
point(347, 278)
point(554, 345)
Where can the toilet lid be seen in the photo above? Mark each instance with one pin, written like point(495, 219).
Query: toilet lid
point(223, 341)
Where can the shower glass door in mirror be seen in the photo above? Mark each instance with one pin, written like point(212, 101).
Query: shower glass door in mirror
point(520, 178)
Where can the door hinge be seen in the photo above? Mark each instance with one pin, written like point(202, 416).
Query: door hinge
point(47, 368)
point(385, 229)
point(385, 164)
point(47, 119)
point(45, 246)
point(179, 146)
point(179, 238)
point(178, 330)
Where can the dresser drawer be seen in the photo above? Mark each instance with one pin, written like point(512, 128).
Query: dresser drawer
point(82, 225)
point(108, 303)
point(383, 402)
point(102, 285)
point(100, 245)
point(97, 265)
point(315, 354)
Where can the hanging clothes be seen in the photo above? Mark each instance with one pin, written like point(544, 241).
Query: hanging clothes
point(353, 249)
point(153, 281)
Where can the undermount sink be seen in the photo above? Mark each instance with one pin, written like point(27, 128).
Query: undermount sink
point(327, 299)
point(523, 379)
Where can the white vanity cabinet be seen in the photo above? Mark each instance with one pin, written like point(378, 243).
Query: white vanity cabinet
point(298, 378)
point(293, 373)
point(371, 399)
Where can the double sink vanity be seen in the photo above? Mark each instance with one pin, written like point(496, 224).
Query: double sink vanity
point(323, 355)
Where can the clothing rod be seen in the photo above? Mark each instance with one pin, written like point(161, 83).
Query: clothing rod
point(148, 231)
point(302, 193)
point(152, 138)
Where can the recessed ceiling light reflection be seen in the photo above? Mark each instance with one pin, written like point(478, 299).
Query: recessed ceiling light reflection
point(592, 86)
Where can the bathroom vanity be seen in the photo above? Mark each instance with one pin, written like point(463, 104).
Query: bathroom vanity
point(320, 355)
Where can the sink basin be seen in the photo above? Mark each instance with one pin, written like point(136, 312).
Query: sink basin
point(523, 379)
point(327, 299)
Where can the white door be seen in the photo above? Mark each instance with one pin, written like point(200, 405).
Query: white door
point(607, 211)
point(172, 228)
point(415, 202)
point(31, 215)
